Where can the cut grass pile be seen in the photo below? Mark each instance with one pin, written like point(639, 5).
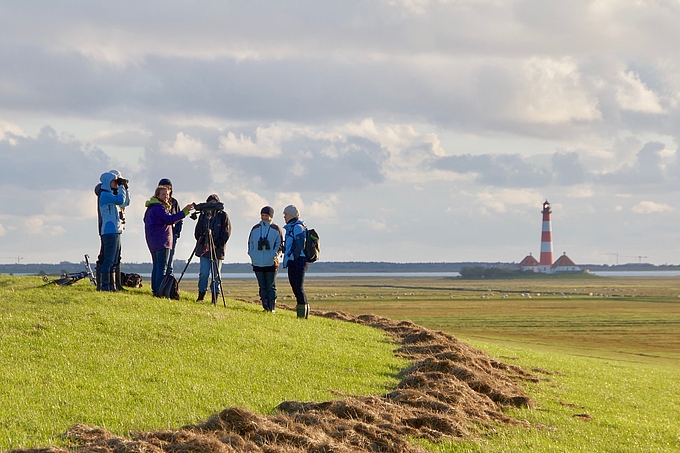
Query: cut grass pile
point(129, 361)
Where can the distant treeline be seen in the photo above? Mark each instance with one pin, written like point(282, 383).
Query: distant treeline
point(318, 267)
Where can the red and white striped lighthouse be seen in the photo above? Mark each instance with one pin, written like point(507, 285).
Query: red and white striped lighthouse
point(546, 238)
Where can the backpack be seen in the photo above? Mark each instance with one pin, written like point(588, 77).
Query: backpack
point(312, 248)
point(169, 287)
point(131, 280)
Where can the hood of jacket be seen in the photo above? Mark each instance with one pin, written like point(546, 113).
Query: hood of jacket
point(153, 200)
point(107, 177)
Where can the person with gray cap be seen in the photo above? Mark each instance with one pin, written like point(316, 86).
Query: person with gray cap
point(177, 227)
point(212, 232)
point(264, 245)
point(294, 257)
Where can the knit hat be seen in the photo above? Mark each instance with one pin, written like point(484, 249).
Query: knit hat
point(165, 182)
point(291, 210)
point(213, 197)
point(267, 210)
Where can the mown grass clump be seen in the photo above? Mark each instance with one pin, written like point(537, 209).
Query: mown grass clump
point(129, 361)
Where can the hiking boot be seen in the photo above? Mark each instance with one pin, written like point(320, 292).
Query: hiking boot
point(201, 296)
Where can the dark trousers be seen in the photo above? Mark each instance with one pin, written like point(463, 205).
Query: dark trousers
point(171, 258)
point(267, 283)
point(160, 266)
point(296, 277)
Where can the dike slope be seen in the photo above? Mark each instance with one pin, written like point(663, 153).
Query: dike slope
point(451, 391)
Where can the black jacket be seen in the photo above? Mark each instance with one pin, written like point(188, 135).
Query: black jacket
point(221, 231)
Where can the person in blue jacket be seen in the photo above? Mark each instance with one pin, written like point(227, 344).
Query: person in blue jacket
point(294, 257)
point(264, 246)
point(158, 232)
point(113, 198)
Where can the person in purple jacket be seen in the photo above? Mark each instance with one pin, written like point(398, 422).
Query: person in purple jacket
point(158, 231)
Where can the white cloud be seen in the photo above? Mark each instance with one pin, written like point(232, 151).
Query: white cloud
point(498, 200)
point(185, 146)
point(650, 207)
point(267, 142)
point(554, 93)
point(7, 129)
point(632, 94)
point(580, 192)
point(3, 231)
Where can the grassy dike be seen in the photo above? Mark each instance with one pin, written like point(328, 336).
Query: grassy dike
point(128, 362)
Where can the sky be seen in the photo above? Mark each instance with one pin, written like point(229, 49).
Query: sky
point(403, 130)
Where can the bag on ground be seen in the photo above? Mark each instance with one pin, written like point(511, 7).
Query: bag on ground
point(169, 287)
point(312, 247)
point(131, 280)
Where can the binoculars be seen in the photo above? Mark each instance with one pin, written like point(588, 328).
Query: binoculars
point(263, 243)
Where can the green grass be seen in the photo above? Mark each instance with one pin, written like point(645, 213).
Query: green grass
point(135, 362)
point(593, 405)
point(612, 344)
point(130, 362)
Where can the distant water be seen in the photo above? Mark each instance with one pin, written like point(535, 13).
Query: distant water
point(283, 274)
point(636, 273)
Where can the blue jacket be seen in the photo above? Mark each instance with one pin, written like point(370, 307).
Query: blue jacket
point(111, 204)
point(296, 232)
point(158, 225)
point(274, 236)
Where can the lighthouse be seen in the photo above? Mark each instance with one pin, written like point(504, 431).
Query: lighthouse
point(546, 261)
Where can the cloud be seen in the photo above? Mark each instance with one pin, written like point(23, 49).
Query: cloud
point(646, 169)
point(632, 94)
point(50, 161)
point(554, 93)
point(3, 231)
point(650, 207)
point(567, 169)
point(503, 170)
point(8, 131)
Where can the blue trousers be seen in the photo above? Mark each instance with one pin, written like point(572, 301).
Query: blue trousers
point(110, 246)
point(171, 258)
point(267, 283)
point(204, 274)
point(160, 267)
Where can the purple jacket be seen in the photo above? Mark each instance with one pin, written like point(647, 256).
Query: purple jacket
point(158, 225)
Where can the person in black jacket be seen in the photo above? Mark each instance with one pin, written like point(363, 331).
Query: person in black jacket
point(212, 225)
point(177, 227)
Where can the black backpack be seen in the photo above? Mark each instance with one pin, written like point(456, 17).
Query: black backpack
point(312, 247)
point(131, 280)
point(169, 287)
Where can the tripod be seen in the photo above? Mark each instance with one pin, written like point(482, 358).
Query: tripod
point(215, 277)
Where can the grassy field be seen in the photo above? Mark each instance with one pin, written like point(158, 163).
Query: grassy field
point(608, 350)
point(129, 361)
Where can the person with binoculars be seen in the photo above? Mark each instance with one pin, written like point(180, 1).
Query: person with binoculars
point(264, 245)
point(113, 197)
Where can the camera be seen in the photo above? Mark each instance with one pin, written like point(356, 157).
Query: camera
point(209, 206)
point(263, 243)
